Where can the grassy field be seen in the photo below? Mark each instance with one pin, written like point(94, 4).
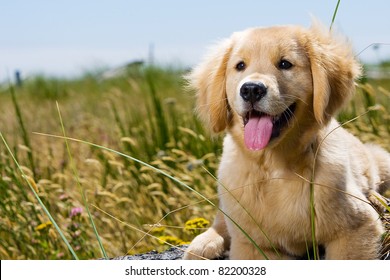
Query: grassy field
point(145, 114)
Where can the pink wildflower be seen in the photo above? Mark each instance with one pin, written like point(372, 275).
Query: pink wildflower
point(64, 197)
point(76, 211)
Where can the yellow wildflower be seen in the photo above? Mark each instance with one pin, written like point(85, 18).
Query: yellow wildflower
point(172, 240)
point(157, 230)
point(43, 226)
point(194, 225)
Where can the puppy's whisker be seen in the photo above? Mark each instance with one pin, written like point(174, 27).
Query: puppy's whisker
point(291, 99)
point(291, 117)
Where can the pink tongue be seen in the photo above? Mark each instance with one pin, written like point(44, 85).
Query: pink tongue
point(257, 132)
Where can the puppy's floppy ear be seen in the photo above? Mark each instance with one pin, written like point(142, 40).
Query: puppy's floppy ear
point(334, 70)
point(209, 81)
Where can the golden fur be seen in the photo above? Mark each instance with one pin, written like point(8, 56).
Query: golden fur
point(267, 191)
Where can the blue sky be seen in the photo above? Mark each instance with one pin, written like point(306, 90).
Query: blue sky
point(65, 38)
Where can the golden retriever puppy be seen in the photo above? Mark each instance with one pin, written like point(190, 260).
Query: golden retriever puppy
point(288, 173)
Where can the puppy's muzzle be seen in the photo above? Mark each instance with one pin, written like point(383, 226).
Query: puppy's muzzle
point(253, 92)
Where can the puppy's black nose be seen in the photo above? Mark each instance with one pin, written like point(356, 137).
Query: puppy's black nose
point(253, 92)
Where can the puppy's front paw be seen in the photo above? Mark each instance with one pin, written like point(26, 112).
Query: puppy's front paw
point(208, 245)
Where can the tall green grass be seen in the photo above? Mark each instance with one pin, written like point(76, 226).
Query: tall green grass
point(144, 114)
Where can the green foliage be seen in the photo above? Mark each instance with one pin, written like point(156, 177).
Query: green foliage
point(48, 88)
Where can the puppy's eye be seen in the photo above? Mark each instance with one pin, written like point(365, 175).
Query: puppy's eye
point(240, 66)
point(285, 64)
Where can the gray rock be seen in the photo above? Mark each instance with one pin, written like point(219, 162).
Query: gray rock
point(174, 253)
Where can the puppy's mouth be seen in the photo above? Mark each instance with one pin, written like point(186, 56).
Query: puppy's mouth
point(261, 128)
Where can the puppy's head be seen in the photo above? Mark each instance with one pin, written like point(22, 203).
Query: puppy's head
point(264, 82)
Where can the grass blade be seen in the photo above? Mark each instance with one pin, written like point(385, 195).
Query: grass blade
point(141, 231)
point(73, 166)
point(312, 183)
point(249, 214)
point(334, 14)
point(25, 137)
